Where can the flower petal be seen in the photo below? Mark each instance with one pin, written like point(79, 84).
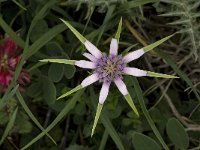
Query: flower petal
point(85, 64)
point(121, 86)
point(90, 57)
point(133, 55)
point(89, 80)
point(104, 92)
point(113, 46)
point(135, 72)
point(92, 49)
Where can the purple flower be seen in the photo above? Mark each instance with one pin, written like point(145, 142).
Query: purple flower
point(108, 68)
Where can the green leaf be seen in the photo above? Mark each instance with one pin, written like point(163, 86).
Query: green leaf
point(56, 72)
point(30, 114)
point(159, 75)
point(70, 105)
point(61, 61)
point(131, 104)
point(70, 92)
point(143, 142)
point(98, 113)
point(119, 29)
point(38, 30)
point(49, 91)
point(69, 71)
point(76, 33)
point(157, 43)
point(54, 49)
point(9, 126)
point(177, 134)
point(140, 98)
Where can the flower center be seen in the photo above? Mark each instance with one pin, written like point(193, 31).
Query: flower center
point(109, 68)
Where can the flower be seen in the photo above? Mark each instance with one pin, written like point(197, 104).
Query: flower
point(8, 61)
point(108, 68)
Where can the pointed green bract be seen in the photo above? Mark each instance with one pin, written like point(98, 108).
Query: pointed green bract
point(131, 104)
point(70, 92)
point(119, 29)
point(61, 61)
point(98, 113)
point(81, 38)
point(153, 45)
point(160, 75)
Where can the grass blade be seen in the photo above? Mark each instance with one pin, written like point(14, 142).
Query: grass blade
point(30, 114)
point(146, 113)
point(9, 126)
point(70, 105)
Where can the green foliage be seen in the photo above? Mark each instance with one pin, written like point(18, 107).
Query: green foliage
point(32, 118)
point(186, 14)
point(177, 134)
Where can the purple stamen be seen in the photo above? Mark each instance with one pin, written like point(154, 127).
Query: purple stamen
point(109, 68)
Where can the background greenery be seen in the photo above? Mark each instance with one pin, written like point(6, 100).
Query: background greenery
point(169, 108)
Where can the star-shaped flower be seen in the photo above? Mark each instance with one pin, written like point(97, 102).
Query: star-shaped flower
point(108, 68)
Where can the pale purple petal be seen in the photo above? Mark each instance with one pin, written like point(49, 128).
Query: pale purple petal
point(121, 86)
point(85, 64)
point(104, 92)
point(90, 57)
point(133, 55)
point(113, 47)
point(89, 80)
point(92, 49)
point(135, 72)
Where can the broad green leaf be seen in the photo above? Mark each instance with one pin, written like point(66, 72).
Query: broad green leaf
point(30, 114)
point(9, 126)
point(157, 43)
point(70, 92)
point(76, 33)
point(70, 105)
point(54, 49)
point(40, 28)
point(56, 72)
point(61, 61)
point(143, 142)
point(49, 91)
point(131, 104)
point(177, 134)
point(119, 29)
point(140, 98)
point(159, 75)
point(69, 71)
point(98, 113)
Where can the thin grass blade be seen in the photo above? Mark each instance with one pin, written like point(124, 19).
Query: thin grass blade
point(119, 29)
point(9, 126)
